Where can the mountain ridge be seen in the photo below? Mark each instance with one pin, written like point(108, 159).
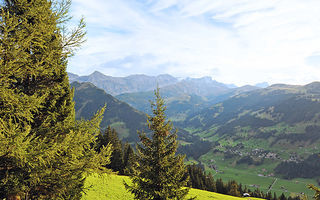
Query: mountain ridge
point(119, 115)
point(118, 85)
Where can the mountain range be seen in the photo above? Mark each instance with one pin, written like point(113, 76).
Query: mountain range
point(183, 97)
point(119, 115)
point(267, 132)
point(120, 85)
point(279, 124)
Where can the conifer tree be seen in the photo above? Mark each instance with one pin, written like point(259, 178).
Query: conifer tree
point(129, 159)
point(220, 186)
point(233, 189)
point(44, 152)
point(275, 196)
point(111, 136)
point(282, 197)
point(317, 191)
point(160, 174)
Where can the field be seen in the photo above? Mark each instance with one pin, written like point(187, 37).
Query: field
point(256, 176)
point(112, 188)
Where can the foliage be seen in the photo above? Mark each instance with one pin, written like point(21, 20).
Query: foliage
point(308, 168)
point(160, 174)
point(200, 180)
point(44, 152)
point(116, 160)
point(111, 188)
point(317, 191)
point(196, 149)
point(88, 99)
point(123, 157)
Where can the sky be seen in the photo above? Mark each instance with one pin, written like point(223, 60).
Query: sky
point(233, 41)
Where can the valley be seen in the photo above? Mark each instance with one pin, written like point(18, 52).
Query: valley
point(159, 100)
point(256, 136)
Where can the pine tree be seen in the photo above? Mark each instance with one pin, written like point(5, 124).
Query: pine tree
point(129, 160)
point(269, 196)
point(275, 196)
point(220, 186)
point(317, 191)
point(160, 174)
point(44, 152)
point(111, 136)
point(233, 189)
point(282, 197)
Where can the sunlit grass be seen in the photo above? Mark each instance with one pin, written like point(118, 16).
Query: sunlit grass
point(112, 188)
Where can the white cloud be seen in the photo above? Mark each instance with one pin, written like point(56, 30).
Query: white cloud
point(239, 41)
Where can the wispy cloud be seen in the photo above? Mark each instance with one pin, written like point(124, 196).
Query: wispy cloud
point(239, 41)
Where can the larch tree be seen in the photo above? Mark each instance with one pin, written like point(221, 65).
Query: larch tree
point(44, 152)
point(160, 174)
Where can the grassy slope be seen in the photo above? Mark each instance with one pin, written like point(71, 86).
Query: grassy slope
point(112, 188)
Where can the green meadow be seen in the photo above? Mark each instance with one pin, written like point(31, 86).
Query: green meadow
point(256, 176)
point(112, 188)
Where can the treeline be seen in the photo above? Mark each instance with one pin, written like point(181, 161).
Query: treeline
point(308, 168)
point(201, 180)
point(195, 149)
point(123, 160)
point(123, 157)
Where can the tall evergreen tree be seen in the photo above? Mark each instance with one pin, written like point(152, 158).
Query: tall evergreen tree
point(220, 186)
point(160, 174)
point(111, 136)
point(129, 159)
point(233, 189)
point(44, 152)
point(317, 191)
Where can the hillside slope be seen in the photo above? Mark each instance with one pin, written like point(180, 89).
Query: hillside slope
point(125, 119)
point(186, 97)
point(277, 105)
point(112, 188)
point(276, 125)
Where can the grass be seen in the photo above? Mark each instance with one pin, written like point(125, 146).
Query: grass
point(112, 188)
point(120, 127)
point(248, 175)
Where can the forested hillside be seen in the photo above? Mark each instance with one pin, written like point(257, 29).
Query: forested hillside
point(273, 131)
point(186, 97)
point(119, 115)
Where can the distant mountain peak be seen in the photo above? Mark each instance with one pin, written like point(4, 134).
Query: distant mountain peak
point(204, 78)
point(98, 74)
point(128, 84)
point(315, 84)
point(72, 76)
point(313, 87)
point(137, 75)
point(166, 76)
point(262, 85)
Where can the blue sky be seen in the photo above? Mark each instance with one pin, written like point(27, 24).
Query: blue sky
point(233, 41)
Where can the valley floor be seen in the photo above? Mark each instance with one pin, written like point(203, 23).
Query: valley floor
point(256, 176)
